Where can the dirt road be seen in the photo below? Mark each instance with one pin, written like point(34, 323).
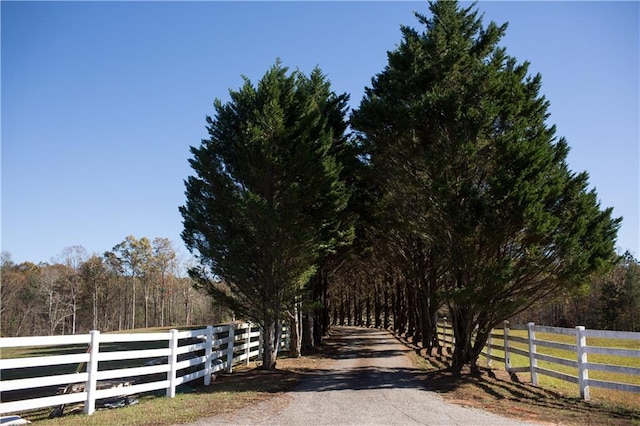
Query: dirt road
point(370, 382)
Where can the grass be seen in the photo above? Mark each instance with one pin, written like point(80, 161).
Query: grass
point(552, 401)
point(228, 393)
point(496, 392)
point(626, 399)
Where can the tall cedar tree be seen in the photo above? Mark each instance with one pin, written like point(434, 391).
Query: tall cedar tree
point(453, 117)
point(261, 207)
point(346, 152)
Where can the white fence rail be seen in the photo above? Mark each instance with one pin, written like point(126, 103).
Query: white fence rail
point(580, 348)
point(118, 364)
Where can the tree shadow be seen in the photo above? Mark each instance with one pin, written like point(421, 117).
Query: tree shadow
point(488, 387)
point(493, 387)
point(363, 378)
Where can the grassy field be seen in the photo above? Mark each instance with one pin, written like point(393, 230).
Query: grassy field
point(616, 397)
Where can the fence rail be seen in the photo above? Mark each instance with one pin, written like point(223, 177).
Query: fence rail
point(580, 350)
point(118, 364)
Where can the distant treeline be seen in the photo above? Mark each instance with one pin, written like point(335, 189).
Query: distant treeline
point(78, 293)
point(609, 302)
point(136, 284)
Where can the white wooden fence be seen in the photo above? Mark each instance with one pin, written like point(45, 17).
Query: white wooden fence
point(580, 348)
point(178, 357)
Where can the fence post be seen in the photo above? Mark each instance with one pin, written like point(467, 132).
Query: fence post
point(489, 343)
point(583, 371)
point(453, 338)
point(173, 360)
point(533, 362)
point(260, 344)
point(208, 366)
point(287, 338)
point(445, 333)
point(92, 370)
point(232, 337)
point(507, 356)
point(247, 350)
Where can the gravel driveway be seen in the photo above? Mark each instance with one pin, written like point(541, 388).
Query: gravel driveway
point(371, 382)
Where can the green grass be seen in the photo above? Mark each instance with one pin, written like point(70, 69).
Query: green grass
point(227, 394)
point(156, 410)
point(617, 397)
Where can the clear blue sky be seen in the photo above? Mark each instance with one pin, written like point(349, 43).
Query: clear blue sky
point(101, 101)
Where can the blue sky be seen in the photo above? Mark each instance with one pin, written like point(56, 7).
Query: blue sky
point(101, 100)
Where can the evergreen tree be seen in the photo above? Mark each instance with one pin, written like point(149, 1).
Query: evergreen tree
point(460, 127)
point(631, 317)
point(262, 204)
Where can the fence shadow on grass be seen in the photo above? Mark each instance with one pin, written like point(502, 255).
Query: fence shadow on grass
point(487, 388)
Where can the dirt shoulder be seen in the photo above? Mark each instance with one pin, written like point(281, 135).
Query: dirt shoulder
point(494, 391)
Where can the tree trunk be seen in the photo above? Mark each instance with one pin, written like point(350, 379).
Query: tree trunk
point(429, 323)
point(356, 315)
point(133, 303)
point(162, 296)
point(342, 309)
point(146, 309)
point(376, 307)
point(400, 309)
point(433, 304)
point(348, 308)
point(462, 323)
point(416, 333)
point(269, 350)
point(386, 308)
point(155, 296)
point(74, 295)
point(307, 330)
point(321, 319)
point(295, 341)
point(318, 326)
point(94, 311)
point(410, 310)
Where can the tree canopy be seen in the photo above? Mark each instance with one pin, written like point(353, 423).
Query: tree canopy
point(261, 208)
point(456, 131)
point(459, 186)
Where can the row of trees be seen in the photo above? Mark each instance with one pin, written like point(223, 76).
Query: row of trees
point(471, 187)
point(610, 301)
point(77, 292)
point(451, 193)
